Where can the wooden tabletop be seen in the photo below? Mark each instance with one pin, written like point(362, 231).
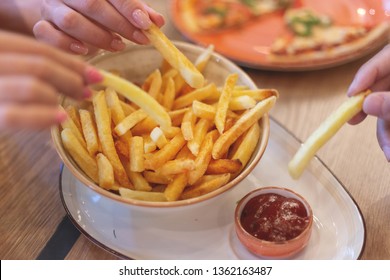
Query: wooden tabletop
point(33, 220)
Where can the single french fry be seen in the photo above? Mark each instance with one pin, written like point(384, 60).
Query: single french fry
point(187, 125)
point(203, 110)
point(103, 124)
point(89, 132)
point(137, 154)
point(158, 137)
point(168, 152)
point(171, 132)
point(157, 178)
point(204, 58)
point(177, 116)
point(256, 94)
point(198, 94)
point(69, 123)
point(141, 195)
point(223, 143)
point(122, 148)
point(243, 102)
point(324, 132)
point(203, 158)
point(176, 187)
point(176, 166)
point(73, 114)
point(106, 172)
point(139, 182)
point(144, 127)
point(174, 57)
point(205, 187)
point(113, 102)
point(153, 83)
point(149, 145)
point(185, 153)
point(169, 94)
point(223, 102)
point(221, 166)
point(200, 131)
point(129, 122)
point(127, 108)
point(243, 150)
point(133, 93)
point(80, 154)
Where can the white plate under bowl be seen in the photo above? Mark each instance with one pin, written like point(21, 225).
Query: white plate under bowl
point(206, 230)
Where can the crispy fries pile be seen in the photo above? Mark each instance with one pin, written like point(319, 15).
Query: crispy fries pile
point(172, 141)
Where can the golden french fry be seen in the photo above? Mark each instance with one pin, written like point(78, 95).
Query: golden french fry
point(223, 102)
point(185, 153)
point(187, 125)
point(73, 114)
point(176, 166)
point(203, 110)
point(158, 137)
point(139, 182)
point(177, 116)
point(157, 178)
point(176, 187)
point(198, 94)
point(153, 83)
point(324, 132)
point(203, 158)
point(106, 172)
point(133, 93)
point(144, 127)
point(223, 143)
point(127, 108)
point(122, 148)
point(149, 145)
point(129, 122)
point(174, 57)
point(256, 94)
point(204, 58)
point(89, 132)
point(171, 132)
point(204, 187)
point(79, 154)
point(141, 195)
point(168, 152)
point(69, 123)
point(169, 94)
point(103, 124)
point(221, 166)
point(242, 103)
point(137, 154)
point(200, 131)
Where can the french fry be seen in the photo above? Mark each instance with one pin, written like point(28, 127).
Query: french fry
point(144, 127)
point(129, 122)
point(122, 148)
point(221, 166)
point(169, 94)
point(324, 132)
point(176, 166)
point(127, 108)
point(103, 124)
point(223, 102)
point(168, 152)
point(203, 110)
point(157, 178)
point(199, 94)
point(153, 83)
point(149, 145)
point(80, 154)
point(139, 182)
point(177, 116)
point(187, 125)
point(256, 94)
point(171, 132)
point(242, 103)
point(205, 187)
point(176, 187)
point(106, 172)
point(133, 93)
point(142, 195)
point(174, 57)
point(158, 137)
point(223, 143)
point(69, 123)
point(89, 132)
point(137, 154)
point(200, 131)
point(185, 153)
point(73, 114)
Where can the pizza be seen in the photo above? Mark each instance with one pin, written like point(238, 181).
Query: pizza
point(313, 37)
point(217, 15)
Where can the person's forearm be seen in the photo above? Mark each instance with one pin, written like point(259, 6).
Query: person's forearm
point(19, 15)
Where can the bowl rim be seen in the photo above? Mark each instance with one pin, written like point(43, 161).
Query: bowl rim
point(268, 189)
point(83, 178)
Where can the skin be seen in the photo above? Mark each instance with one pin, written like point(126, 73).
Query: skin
point(31, 75)
point(375, 75)
point(80, 26)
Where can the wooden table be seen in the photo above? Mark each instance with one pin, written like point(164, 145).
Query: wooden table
point(32, 217)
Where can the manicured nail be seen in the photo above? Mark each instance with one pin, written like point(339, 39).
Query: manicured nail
point(117, 44)
point(61, 116)
point(78, 48)
point(140, 38)
point(93, 75)
point(141, 19)
point(87, 93)
point(386, 151)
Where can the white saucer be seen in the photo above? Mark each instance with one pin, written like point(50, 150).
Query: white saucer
point(206, 230)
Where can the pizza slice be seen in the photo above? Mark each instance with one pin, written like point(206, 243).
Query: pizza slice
point(315, 38)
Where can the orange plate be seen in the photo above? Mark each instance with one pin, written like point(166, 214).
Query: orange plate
point(250, 44)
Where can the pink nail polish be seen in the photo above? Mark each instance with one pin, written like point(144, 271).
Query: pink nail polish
point(87, 93)
point(141, 19)
point(78, 48)
point(117, 44)
point(93, 75)
point(61, 116)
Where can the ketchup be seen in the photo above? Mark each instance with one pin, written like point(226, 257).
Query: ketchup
point(273, 217)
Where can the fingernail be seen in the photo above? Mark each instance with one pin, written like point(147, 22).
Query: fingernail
point(78, 48)
point(351, 89)
point(87, 93)
point(386, 151)
point(141, 19)
point(373, 105)
point(61, 116)
point(140, 38)
point(93, 75)
point(117, 45)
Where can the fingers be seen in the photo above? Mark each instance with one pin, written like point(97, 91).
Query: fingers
point(378, 104)
point(157, 18)
point(383, 135)
point(358, 118)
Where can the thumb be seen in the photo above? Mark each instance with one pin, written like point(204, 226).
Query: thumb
point(378, 104)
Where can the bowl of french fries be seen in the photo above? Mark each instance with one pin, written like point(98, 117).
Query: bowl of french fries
point(172, 124)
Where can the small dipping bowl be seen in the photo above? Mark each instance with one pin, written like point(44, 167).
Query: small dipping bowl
point(273, 222)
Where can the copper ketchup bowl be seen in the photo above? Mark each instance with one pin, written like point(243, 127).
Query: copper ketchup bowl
point(272, 249)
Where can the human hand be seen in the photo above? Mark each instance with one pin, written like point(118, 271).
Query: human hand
point(78, 25)
point(375, 75)
point(31, 75)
